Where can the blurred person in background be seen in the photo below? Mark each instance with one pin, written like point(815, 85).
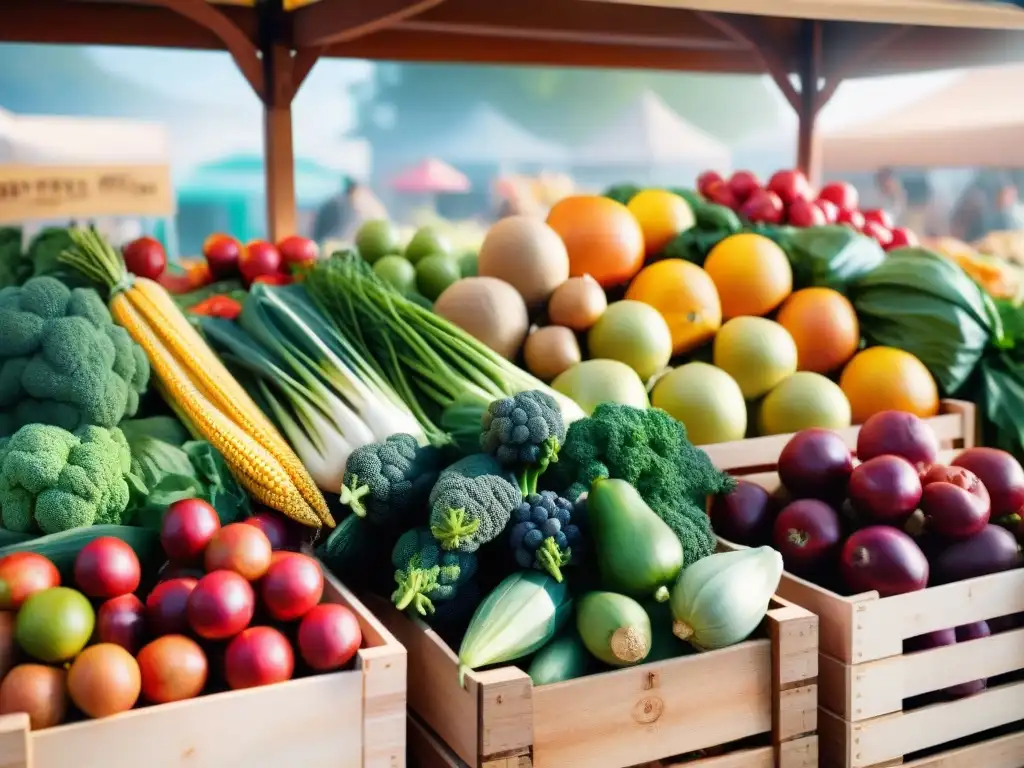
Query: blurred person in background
point(893, 195)
point(922, 213)
point(1007, 214)
point(341, 216)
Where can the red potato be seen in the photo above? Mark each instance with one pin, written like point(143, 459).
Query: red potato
point(804, 213)
point(841, 194)
point(954, 502)
point(22, 574)
point(329, 636)
point(145, 257)
point(829, 209)
point(790, 186)
point(806, 534)
point(742, 184)
point(188, 526)
point(885, 489)
point(884, 559)
point(763, 207)
point(851, 218)
point(107, 567)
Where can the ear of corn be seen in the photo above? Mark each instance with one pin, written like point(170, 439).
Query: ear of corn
point(260, 473)
point(152, 302)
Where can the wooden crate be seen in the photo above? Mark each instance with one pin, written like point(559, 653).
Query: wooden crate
point(623, 717)
point(343, 720)
point(955, 426)
point(865, 676)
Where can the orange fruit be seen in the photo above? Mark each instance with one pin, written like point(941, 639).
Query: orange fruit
point(603, 238)
point(751, 273)
point(823, 323)
point(662, 215)
point(888, 379)
point(685, 296)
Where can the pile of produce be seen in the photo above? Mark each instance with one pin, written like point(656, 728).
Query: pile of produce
point(232, 608)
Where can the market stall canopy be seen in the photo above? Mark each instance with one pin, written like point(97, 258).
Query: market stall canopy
point(242, 177)
point(649, 132)
point(432, 176)
point(977, 120)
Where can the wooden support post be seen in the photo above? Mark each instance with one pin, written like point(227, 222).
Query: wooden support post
point(808, 154)
point(278, 146)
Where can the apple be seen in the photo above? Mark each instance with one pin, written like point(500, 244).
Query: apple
point(764, 207)
point(742, 185)
point(879, 216)
point(329, 637)
point(222, 253)
point(291, 587)
point(244, 549)
point(167, 606)
point(842, 194)
point(107, 567)
point(853, 219)
point(187, 528)
point(122, 621)
point(804, 213)
point(718, 192)
point(258, 656)
point(902, 238)
point(298, 250)
point(221, 605)
point(830, 209)
point(706, 179)
point(880, 233)
point(790, 186)
point(22, 574)
point(145, 257)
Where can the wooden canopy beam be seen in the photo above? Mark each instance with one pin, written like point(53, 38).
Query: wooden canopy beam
point(337, 21)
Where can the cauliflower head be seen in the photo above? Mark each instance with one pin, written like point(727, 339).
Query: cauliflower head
point(63, 361)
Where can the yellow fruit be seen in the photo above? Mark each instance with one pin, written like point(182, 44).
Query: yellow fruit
point(757, 353)
point(888, 379)
point(706, 399)
point(685, 296)
point(633, 333)
point(662, 215)
point(751, 273)
point(824, 326)
point(802, 401)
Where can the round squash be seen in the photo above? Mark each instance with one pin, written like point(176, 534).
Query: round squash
point(527, 254)
point(488, 309)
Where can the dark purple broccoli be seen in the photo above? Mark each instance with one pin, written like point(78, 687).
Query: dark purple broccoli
point(542, 534)
point(524, 433)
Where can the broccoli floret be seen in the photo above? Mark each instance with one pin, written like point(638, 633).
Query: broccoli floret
point(63, 361)
point(458, 610)
point(426, 573)
point(524, 433)
point(466, 512)
point(648, 449)
point(542, 534)
point(388, 482)
point(54, 480)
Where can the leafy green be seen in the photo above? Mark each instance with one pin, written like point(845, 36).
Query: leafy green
point(831, 257)
point(15, 268)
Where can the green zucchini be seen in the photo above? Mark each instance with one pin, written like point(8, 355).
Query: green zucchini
point(7, 538)
point(62, 548)
point(614, 628)
point(564, 658)
point(521, 615)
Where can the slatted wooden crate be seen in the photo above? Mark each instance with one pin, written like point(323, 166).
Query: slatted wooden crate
point(764, 686)
point(349, 719)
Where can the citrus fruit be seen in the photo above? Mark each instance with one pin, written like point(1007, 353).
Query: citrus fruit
point(802, 401)
point(662, 215)
point(633, 333)
point(685, 296)
point(593, 382)
point(706, 399)
point(427, 241)
point(824, 326)
point(751, 273)
point(376, 239)
point(888, 379)
point(602, 237)
point(55, 624)
point(397, 272)
point(756, 352)
point(435, 273)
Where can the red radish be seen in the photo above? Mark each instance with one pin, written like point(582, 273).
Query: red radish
point(898, 433)
point(122, 621)
point(259, 258)
point(902, 238)
point(816, 464)
point(884, 559)
point(107, 567)
point(274, 527)
point(706, 179)
point(886, 489)
point(829, 209)
point(790, 186)
point(742, 184)
point(991, 550)
point(221, 605)
point(841, 194)
point(743, 516)
point(852, 218)
point(1000, 473)
point(329, 637)
point(22, 574)
point(880, 217)
point(187, 528)
point(295, 249)
point(763, 207)
point(880, 234)
point(806, 533)
point(954, 502)
point(241, 548)
point(804, 213)
point(167, 606)
point(292, 586)
point(145, 257)
point(222, 254)
point(258, 656)
point(718, 192)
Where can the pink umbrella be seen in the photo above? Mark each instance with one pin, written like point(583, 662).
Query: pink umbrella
point(430, 177)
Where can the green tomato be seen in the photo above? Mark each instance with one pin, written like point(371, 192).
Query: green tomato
point(397, 272)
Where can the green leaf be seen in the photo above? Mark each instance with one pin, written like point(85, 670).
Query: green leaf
point(831, 257)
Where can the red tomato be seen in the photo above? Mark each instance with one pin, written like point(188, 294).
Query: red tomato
point(107, 567)
point(222, 253)
point(145, 257)
point(842, 194)
point(790, 186)
point(22, 574)
point(902, 238)
point(291, 587)
point(298, 250)
point(258, 656)
point(244, 549)
point(173, 668)
point(329, 637)
point(880, 217)
point(259, 258)
point(187, 528)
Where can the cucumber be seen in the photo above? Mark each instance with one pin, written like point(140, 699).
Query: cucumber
point(62, 548)
point(564, 658)
point(614, 628)
point(520, 616)
point(7, 538)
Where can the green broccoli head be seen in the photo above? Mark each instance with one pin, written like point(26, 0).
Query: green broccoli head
point(425, 573)
point(53, 480)
point(470, 511)
point(524, 433)
point(63, 362)
point(649, 449)
point(388, 482)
